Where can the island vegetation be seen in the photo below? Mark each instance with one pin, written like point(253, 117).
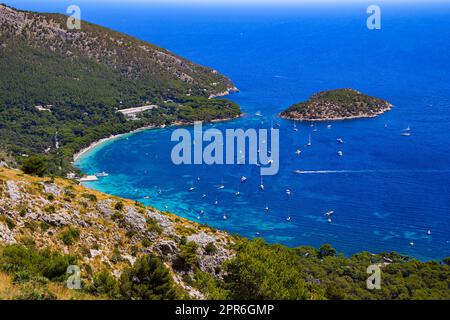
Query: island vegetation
point(337, 104)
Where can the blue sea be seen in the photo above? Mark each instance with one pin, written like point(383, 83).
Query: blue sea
point(387, 190)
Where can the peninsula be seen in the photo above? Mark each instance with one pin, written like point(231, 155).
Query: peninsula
point(339, 104)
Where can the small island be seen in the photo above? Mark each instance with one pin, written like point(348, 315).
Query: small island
point(337, 104)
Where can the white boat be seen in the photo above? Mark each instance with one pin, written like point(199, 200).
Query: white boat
point(225, 217)
point(297, 171)
point(288, 218)
point(288, 192)
point(191, 189)
point(237, 193)
point(329, 220)
point(295, 127)
point(406, 134)
point(202, 212)
point(407, 129)
point(159, 191)
point(88, 178)
point(266, 209)
point(270, 161)
point(298, 152)
point(216, 202)
point(102, 174)
point(221, 187)
point(243, 179)
point(329, 126)
point(309, 142)
point(340, 153)
point(329, 213)
point(429, 232)
point(146, 197)
point(340, 140)
point(204, 195)
point(411, 244)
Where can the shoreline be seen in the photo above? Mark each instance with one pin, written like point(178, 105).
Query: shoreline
point(78, 155)
point(362, 116)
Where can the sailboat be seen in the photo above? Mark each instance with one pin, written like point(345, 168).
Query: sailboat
point(261, 186)
point(340, 153)
point(309, 142)
point(288, 192)
point(243, 179)
point(340, 140)
point(238, 193)
point(329, 213)
point(429, 232)
point(221, 186)
point(298, 152)
point(225, 217)
point(266, 208)
point(406, 132)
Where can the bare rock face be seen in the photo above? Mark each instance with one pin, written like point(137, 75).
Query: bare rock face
point(208, 261)
point(6, 235)
point(136, 220)
point(104, 206)
point(166, 248)
point(57, 219)
point(13, 191)
point(51, 188)
point(164, 222)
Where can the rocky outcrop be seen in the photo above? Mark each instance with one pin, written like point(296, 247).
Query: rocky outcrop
point(6, 235)
point(108, 237)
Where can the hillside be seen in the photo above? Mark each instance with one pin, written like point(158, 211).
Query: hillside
point(337, 105)
point(60, 89)
point(48, 224)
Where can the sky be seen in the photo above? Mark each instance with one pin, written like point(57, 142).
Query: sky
point(246, 2)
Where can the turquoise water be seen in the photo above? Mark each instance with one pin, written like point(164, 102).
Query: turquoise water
point(387, 190)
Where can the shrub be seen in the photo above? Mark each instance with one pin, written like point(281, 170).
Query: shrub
point(22, 260)
point(187, 258)
point(210, 249)
point(118, 206)
point(70, 236)
point(104, 283)
point(35, 165)
point(148, 279)
point(326, 251)
point(153, 226)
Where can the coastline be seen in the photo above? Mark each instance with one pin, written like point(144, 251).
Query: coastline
point(361, 116)
point(78, 155)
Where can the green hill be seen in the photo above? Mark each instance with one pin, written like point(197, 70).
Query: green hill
point(62, 88)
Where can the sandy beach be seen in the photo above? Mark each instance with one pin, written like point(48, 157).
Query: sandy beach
point(97, 143)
